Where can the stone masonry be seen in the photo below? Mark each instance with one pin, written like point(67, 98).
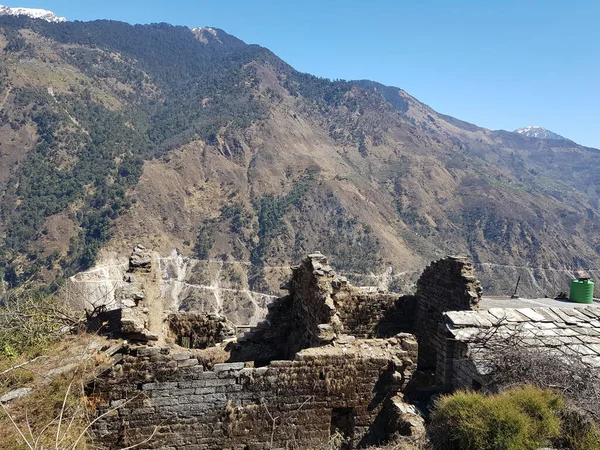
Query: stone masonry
point(329, 358)
point(295, 403)
point(325, 305)
point(192, 330)
point(445, 285)
point(293, 381)
point(319, 307)
point(132, 297)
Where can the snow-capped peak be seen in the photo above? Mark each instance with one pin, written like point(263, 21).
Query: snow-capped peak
point(539, 132)
point(34, 13)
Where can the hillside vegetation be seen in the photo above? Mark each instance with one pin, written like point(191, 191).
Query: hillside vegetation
point(113, 134)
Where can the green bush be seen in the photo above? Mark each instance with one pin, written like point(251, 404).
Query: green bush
point(579, 431)
point(522, 418)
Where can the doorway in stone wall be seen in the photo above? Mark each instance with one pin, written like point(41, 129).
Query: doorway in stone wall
point(342, 427)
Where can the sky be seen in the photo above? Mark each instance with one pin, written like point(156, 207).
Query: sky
point(499, 64)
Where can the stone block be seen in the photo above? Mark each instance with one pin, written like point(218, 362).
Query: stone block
point(187, 362)
point(228, 367)
point(181, 356)
point(148, 351)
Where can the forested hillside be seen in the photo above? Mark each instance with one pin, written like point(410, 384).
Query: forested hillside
point(113, 134)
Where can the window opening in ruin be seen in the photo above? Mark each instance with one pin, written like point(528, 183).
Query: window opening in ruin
point(342, 423)
point(321, 376)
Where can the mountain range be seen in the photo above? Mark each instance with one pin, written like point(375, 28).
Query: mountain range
point(114, 134)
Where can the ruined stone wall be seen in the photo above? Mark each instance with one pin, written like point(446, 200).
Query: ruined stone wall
point(288, 404)
point(455, 368)
point(320, 307)
point(314, 318)
point(448, 284)
point(324, 305)
point(269, 339)
point(374, 314)
point(192, 330)
point(141, 309)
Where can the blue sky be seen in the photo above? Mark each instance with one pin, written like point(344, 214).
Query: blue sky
point(498, 64)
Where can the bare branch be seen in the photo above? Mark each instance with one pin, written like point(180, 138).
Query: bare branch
point(513, 355)
point(18, 366)
point(148, 439)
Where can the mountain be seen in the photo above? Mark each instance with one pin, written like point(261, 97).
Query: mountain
point(539, 132)
point(114, 134)
point(42, 14)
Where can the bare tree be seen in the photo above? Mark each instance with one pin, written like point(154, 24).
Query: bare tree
point(509, 355)
point(27, 321)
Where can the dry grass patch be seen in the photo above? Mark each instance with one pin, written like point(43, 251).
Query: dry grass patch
point(55, 414)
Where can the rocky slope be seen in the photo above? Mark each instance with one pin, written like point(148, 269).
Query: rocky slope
point(113, 135)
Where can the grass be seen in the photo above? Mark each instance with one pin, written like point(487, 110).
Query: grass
point(56, 410)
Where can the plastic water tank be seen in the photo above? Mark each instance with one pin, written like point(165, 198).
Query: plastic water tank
point(582, 291)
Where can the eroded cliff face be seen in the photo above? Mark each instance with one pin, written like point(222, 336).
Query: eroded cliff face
point(178, 283)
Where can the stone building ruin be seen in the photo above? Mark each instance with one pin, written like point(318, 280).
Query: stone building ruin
point(329, 359)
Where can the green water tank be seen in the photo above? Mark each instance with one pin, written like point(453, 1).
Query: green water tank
point(582, 291)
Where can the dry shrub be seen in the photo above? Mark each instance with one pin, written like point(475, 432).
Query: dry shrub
point(546, 368)
point(28, 324)
point(513, 360)
point(53, 401)
point(39, 415)
point(210, 356)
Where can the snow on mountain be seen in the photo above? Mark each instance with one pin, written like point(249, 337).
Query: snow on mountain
point(539, 132)
point(34, 13)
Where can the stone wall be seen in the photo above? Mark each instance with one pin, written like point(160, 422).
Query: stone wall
point(465, 374)
point(321, 306)
point(313, 367)
point(448, 284)
point(324, 305)
point(295, 403)
point(455, 369)
point(374, 314)
point(192, 330)
point(313, 315)
point(269, 339)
